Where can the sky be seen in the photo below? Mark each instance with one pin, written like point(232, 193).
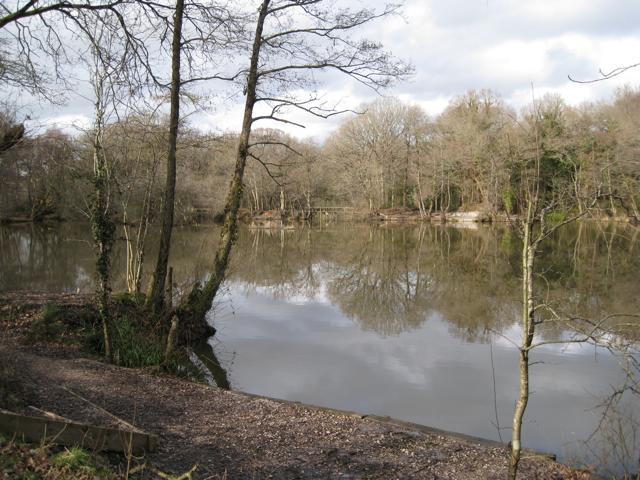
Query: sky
point(517, 48)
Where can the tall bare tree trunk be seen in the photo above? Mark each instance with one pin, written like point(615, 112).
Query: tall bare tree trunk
point(156, 284)
point(201, 303)
point(102, 224)
point(405, 179)
point(420, 202)
point(529, 250)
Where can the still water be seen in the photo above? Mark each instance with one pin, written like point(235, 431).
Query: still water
point(413, 322)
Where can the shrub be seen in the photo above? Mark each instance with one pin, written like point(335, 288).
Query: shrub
point(48, 326)
point(555, 216)
point(137, 346)
point(508, 199)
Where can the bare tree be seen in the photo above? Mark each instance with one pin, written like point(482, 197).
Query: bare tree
point(624, 161)
point(34, 42)
point(292, 41)
point(375, 151)
point(156, 284)
point(199, 31)
point(107, 64)
point(540, 199)
point(137, 148)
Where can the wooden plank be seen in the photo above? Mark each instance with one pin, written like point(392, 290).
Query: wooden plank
point(35, 430)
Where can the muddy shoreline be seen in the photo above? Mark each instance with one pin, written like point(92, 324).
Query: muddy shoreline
point(229, 434)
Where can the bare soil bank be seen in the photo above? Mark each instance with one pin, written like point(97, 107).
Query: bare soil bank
point(231, 435)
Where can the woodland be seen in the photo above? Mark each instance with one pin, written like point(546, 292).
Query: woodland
point(393, 154)
point(545, 166)
point(150, 65)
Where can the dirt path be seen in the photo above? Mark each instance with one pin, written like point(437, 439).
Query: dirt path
point(235, 436)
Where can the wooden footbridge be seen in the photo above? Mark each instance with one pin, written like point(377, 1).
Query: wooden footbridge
point(331, 210)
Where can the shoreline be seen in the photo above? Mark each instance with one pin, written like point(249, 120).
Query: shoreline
point(239, 435)
point(381, 216)
point(386, 420)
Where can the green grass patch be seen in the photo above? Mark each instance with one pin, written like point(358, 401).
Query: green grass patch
point(32, 462)
point(555, 216)
point(48, 326)
point(137, 344)
point(73, 457)
point(138, 340)
point(135, 347)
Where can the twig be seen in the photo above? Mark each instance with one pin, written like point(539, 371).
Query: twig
point(50, 415)
point(99, 408)
point(160, 473)
point(605, 76)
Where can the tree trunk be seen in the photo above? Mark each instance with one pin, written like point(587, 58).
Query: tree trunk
point(420, 202)
point(529, 248)
point(156, 284)
point(102, 224)
point(307, 197)
point(576, 187)
point(404, 183)
point(200, 303)
point(614, 210)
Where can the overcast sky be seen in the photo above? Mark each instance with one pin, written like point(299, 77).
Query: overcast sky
point(504, 45)
point(458, 45)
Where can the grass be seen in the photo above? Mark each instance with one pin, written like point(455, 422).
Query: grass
point(137, 347)
point(73, 457)
point(48, 326)
point(137, 339)
point(555, 216)
point(31, 462)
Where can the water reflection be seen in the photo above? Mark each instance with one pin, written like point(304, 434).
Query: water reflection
point(389, 280)
point(37, 257)
point(392, 320)
point(211, 366)
point(386, 279)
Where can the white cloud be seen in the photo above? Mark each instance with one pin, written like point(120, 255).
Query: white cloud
point(504, 45)
point(514, 59)
point(72, 124)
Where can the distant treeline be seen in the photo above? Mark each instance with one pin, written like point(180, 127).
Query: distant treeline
point(473, 155)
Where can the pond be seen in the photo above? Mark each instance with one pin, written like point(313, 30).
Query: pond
point(415, 322)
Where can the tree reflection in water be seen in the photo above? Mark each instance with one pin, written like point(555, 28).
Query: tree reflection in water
point(397, 293)
point(389, 278)
point(386, 278)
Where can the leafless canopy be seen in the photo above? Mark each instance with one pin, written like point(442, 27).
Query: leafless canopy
point(31, 32)
point(302, 38)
